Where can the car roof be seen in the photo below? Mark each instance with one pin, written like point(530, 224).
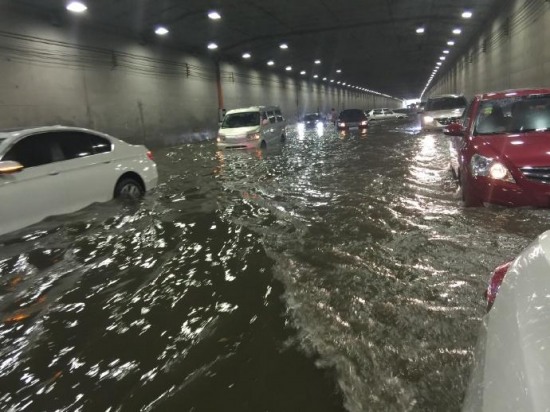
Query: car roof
point(503, 94)
point(445, 96)
point(252, 109)
point(7, 135)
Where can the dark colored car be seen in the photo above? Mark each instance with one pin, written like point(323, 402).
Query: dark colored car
point(352, 119)
point(311, 120)
point(501, 149)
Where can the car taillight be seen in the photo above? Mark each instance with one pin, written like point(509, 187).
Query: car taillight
point(494, 284)
point(149, 154)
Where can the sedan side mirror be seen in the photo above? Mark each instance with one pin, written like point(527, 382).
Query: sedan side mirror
point(9, 166)
point(454, 129)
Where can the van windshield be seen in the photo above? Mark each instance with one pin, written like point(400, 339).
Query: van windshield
point(244, 119)
point(446, 103)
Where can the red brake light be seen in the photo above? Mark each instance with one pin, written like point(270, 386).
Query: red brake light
point(150, 155)
point(494, 284)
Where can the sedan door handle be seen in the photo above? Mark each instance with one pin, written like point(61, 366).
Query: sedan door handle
point(106, 162)
point(53, 173)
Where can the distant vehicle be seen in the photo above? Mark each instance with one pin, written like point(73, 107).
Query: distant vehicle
point(55, 170)
point(499, 152)
point(352, 119)
point(512, 365)
point(311, 120)
point(443, 110)
point(257, 126)
point(385, 114)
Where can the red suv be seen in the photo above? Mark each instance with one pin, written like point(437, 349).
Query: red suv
point(501, 149)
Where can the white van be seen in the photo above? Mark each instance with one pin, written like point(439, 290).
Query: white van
point(257, 126)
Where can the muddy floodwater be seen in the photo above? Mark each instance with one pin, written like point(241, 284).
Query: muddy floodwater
point(338, 272)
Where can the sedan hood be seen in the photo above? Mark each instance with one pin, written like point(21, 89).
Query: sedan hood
point(436, 114)
point(512, 369)
point(526, 149)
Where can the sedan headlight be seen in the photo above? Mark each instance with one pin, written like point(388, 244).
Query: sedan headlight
point(220, 138)
point(253, 136)
point(488, 167)
point(428, 119)
point(341, 124)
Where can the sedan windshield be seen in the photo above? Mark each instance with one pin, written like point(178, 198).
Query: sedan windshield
point(352, 115)
point(244, 119)
point(446, 103)
point(311, 117)
point(514, 115)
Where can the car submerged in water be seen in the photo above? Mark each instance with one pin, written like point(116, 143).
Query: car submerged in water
point(440, 111)
point(350, 119)
point(512, 363)
point(500, 151)
point(54, 170)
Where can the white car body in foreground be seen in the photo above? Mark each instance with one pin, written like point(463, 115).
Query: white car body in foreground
point(512, 369)
point(56, 170)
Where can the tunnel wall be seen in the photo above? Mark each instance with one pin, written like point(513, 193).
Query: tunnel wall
point(71, 74)
point(511, 53)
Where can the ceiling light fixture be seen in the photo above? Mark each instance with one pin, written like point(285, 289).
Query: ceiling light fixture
point(315, 76)
point(339, 71)
point(445, 51)
point(212, 46)
point(161, 31)
point(214, 15)
point(288, 68)
point(271, 63)
point(303, 72)
point(324, 79)
point(317, 61)
point(457, 31)
point(420, 30)
point(450, 43)
point(247, 56)
point(283, 46)
point(77, 7)
point(467, 14)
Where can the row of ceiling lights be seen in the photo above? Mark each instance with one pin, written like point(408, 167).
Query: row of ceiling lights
point(80, 7)
point(466, 14)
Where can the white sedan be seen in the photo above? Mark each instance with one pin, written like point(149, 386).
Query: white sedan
point(512, 369)
point(385, 114)
point(55, 170)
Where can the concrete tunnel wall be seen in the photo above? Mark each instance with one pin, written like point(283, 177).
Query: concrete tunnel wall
point(148, 94)
point(512, 53)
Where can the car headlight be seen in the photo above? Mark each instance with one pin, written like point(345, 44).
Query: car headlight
point(364, 123)
point(342, 124)
point(220, 138)
point(253, 136)
point(428, 119)
point(488, 167)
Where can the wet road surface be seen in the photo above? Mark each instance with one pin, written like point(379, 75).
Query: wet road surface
point(337, 272)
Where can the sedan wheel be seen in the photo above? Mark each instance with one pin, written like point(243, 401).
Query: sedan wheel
point(128, 188)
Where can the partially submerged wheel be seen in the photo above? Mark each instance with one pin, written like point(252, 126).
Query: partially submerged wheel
point(263, 145)
point(128, 188)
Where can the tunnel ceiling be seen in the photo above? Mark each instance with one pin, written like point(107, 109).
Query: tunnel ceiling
point(373, 42)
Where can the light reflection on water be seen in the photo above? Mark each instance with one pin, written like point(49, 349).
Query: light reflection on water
point(260, 280)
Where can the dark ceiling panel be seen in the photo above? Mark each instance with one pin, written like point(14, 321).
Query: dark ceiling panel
point(372, 41)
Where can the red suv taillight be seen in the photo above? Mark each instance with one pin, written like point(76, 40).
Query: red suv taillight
point(149, 154)
point(494, 284)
